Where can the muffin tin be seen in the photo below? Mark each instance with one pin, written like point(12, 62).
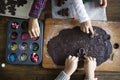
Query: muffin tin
point(20, 48)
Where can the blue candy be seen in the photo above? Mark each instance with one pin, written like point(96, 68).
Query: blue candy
point(12, 57)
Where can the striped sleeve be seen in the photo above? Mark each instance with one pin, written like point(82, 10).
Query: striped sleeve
point(63, 76)
point(37, 7)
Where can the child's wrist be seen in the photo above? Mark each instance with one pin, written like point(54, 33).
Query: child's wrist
point(90, 75)
point(91, 78)
point(67, 72)
point(32, 18)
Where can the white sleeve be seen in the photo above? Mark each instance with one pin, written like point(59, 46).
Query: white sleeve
point(80, 10)
point(62, 76)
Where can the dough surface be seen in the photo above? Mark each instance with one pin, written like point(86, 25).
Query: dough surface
point(77, 43)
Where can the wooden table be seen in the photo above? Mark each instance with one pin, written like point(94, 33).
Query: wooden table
point(17, 72)
point(54, 26)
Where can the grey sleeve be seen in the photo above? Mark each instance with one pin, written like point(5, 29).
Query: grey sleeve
point(62, 76)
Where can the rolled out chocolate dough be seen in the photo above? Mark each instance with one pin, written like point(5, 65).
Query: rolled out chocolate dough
point(70, 41)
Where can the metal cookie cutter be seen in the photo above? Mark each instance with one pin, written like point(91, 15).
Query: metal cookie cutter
point(81, 53)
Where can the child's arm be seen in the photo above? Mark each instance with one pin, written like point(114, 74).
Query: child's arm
point(90, 66)
point(71, 64)
point(83, 16)
point(36, 9)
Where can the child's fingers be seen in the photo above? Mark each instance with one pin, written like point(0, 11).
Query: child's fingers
point(94, 59)
point(76, 59)
point(87, 58)
point(69, 57)
point(90, 58)
point(100, 2)
point(91, 30)
point(105, 4)
point(83, 29)
point(30, 34)
point(73, 57)
point(33, 32)
point(36, 32)
point(87, 30)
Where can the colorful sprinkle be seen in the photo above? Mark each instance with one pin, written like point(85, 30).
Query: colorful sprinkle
point(12, 57)
point(14, 36)
point(24, 46)
point(13, 46)
point(35, 46)
point(34, 57)
point(35, 38)
point(23, 57)
point(24, 36)
point(15, 25)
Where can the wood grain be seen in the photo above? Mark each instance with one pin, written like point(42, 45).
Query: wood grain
point(54, 26)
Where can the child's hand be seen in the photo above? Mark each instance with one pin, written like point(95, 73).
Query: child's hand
point(103, 3)
point(34, 29)
point(90, 66)
point(71, 64)
point(87, 27)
